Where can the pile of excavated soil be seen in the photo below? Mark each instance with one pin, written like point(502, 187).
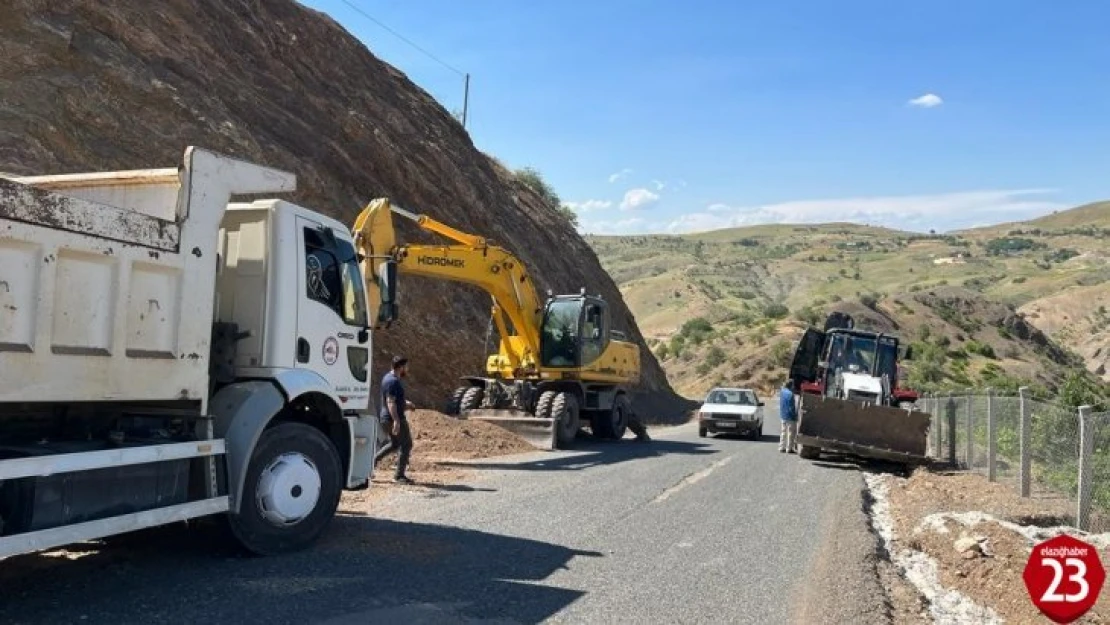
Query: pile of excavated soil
point(980, 535)
point(438, 439)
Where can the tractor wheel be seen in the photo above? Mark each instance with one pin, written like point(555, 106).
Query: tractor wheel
point(472, 398)
point(809, 452)
point(613, 423)
point(565, 412)
point(454, 405)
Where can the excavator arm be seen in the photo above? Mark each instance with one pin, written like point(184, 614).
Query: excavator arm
point(517, 309)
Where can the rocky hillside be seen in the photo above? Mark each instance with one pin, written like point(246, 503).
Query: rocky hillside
point(1014, 303)
point(118, 84)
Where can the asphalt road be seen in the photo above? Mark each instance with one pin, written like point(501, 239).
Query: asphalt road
point(680, 530)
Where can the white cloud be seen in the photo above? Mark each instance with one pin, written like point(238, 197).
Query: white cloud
point(620, 174)
point(588, 205)
point(634, 225)
point(927, 101)
point(943, 211)
point(638, 198)
point(659, 185)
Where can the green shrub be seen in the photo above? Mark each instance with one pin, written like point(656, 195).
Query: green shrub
point(775, 311)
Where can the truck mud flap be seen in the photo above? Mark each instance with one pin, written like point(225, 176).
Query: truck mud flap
point(882, 432)
point(540, 433)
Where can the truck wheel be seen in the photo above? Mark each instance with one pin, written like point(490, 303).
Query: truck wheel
point(454, 406)
point(809, 452)
point(472, 398)
point(612, 424)
point(291, 490)
point(702, 432)
point(564, 409)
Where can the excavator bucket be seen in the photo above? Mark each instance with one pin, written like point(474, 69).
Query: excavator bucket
point(539, 432)
point(881, 432)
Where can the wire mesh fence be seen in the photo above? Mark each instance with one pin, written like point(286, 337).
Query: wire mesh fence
point(1063, 455)
point(1099, 483)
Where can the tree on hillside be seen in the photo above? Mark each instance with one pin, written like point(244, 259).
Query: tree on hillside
point(534, 180)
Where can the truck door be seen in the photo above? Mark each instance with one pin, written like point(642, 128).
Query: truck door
point(331, 313)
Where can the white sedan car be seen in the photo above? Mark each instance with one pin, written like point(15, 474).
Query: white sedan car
point(732, 411)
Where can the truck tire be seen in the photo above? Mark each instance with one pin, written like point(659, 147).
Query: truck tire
point(471, 399)
point(809, 452)
point(454, 405)
point(702, 432)
point(564, 409)
point(291, 491)
point(613, 423)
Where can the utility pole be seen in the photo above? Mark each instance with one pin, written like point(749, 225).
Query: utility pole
point(466, 97)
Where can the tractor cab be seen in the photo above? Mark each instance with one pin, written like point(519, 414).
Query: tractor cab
point(575, 331)
point(823, 356)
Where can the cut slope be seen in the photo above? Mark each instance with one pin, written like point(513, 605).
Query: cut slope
point(118, 85)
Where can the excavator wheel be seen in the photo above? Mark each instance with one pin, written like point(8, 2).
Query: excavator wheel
point(613, 423)
point(564, 409)
point(454, 405)
point(472, 398)
point(543, 404)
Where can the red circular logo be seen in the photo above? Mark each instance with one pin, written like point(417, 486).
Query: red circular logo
point(1064, 576)
point(331, 350)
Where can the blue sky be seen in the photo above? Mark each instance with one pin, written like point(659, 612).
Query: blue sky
point(648, 116)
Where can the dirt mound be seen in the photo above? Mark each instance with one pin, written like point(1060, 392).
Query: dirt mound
point(437, 436)
point(978, 534)
point(117, 85)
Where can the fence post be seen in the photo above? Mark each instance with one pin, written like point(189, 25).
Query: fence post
point(1086, 468)
point(992, 474)
point(970, 434)
point(937, 426)
point(1024, 476)
point(950, 410)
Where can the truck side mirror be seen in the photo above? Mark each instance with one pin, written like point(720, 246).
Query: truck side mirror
point(387, 287)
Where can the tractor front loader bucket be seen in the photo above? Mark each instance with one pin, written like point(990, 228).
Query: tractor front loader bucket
point(540, 433)
point(882, 432)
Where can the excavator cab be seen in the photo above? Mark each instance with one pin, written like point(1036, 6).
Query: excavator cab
point(575, 331)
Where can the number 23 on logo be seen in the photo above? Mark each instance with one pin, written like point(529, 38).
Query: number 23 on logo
point(1064, 577)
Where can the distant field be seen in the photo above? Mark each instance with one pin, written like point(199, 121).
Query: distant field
point(744, 280)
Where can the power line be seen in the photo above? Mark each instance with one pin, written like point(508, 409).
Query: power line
point(405, 39)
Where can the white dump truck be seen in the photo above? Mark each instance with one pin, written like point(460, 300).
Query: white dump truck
point(168, 353)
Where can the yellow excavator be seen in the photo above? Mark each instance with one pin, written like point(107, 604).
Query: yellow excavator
point(560, 364)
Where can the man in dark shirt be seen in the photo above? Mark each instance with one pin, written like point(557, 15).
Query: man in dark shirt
point(392, 415)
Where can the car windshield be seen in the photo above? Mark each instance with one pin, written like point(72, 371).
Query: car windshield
point(741, 397)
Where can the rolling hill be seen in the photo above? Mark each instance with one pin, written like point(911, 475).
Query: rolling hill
point(1006, 304)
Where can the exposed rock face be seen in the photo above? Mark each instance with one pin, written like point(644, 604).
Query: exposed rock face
point(122, 84)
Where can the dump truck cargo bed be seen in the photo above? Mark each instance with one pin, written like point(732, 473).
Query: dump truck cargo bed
point(882, 432)
point(107, 279)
